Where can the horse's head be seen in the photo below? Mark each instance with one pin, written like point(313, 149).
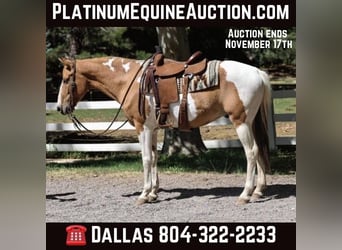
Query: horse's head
point(73, 87)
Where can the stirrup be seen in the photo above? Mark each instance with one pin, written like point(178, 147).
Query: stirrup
point(165, 125)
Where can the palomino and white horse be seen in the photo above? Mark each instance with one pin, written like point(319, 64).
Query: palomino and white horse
point(243, 93)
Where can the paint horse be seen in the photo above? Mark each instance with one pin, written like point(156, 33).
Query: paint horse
point(242, 92)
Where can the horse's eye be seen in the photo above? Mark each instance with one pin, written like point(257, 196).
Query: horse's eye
point(65, 81)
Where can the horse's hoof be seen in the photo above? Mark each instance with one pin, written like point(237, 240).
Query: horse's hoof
point(152, 198)
point(255, 197)
point(241, 201)
point(141, 201)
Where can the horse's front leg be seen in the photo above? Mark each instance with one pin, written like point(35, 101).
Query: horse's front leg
point(149, 163)
point(154, 171)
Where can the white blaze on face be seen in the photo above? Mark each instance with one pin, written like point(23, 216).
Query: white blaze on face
point(59, 99)
point(109, 64)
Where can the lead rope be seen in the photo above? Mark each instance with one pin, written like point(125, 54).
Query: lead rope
point(79, 124)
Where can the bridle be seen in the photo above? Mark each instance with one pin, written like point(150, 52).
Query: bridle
point(78, 124)
point(72, 87)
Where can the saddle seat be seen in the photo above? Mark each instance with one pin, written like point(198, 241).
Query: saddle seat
point(168, 68)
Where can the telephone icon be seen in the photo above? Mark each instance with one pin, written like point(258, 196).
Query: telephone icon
point(76, 235)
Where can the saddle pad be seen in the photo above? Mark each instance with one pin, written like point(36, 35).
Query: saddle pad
point(209, 79)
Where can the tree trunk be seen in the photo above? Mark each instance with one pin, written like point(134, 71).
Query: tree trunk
point(175, 45)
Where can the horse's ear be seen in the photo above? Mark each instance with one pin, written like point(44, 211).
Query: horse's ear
point(66, 62)
point(63, 60)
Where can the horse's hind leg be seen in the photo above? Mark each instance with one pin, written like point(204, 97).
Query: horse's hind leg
point(261, 181)
point(246, 137)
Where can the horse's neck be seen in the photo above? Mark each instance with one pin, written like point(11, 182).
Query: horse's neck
point(105, 76)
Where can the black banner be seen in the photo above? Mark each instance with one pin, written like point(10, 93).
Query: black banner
point(171, 235)
point(253, 13)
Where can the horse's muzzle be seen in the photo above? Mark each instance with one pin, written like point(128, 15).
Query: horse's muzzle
point(64, 110)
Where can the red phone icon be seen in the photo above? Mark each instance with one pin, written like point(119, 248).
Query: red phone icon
point(76, 235)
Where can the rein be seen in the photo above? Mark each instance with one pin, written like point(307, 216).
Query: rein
point(78, 124)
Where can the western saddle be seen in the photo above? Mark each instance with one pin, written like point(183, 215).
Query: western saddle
point(167, 79)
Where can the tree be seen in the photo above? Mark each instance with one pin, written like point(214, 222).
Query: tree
point(175, 45)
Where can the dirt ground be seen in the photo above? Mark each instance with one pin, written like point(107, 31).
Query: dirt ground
point(183, 197)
